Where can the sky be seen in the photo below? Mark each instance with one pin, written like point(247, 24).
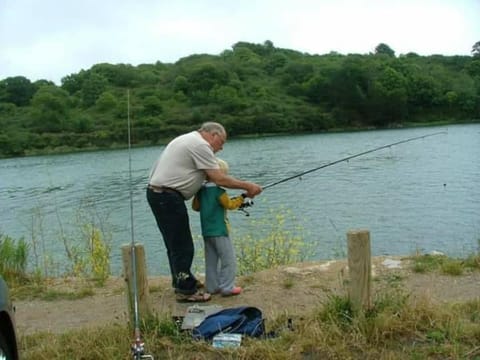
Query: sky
point(50, 39)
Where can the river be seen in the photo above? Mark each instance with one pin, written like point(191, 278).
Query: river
point(422, 195)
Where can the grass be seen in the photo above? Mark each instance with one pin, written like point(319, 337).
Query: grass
point(395, 328)
point(13, 258)
point(444, 264)
point(34, 286)
point(288, 282)
point(41, 291)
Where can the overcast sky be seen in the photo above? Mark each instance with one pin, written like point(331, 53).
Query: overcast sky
point(49, 39)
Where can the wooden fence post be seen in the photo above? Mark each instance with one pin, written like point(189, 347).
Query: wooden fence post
point(142, 281)
point(360, 268)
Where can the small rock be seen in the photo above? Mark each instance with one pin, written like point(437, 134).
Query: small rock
point(392, 264)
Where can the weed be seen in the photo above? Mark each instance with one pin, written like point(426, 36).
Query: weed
point(248, 279)
point(163, 326)
point(272, 245)
point(13, 258)
point(99, 255)
point(52, 295)
point(471, 310)
point(448, 266)
point(473, 261)
point(288, 282)
point(338, 310)
point(392, 301)
point(427, 263)
point(394, 280)
point(452, 267)
point(155, 289)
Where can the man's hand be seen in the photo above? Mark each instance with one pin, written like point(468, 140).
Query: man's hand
point(253, 190)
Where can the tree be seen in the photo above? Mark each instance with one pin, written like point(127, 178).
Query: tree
point(50, 109)
point(74, 82)
point(43, 82)
point(476, 49)
point(423, 91)
point(260, 49)
point(119, 75)
point(384, 49)
point(93, 86)
point(152, 105)
point(227, 97)
point(181, 84)
point(473, 68)
point(83, 124)
point(246, 56)
point(17, 90)
point(297, 72)
point(276, 61)
point(106, 102)
point(387, 98)
point(348, 88)
point(203, 79)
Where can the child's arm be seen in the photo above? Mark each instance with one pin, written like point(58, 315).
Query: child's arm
point(230, 203)
point(196, 203)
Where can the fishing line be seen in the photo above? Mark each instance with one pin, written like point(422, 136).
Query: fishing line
point(351, 157)
point(138, 346)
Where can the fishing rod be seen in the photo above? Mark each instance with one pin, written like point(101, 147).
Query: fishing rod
point(351, 157)
point(138, 346)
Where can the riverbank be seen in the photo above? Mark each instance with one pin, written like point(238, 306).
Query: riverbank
point(293, 291)
point(65, 149)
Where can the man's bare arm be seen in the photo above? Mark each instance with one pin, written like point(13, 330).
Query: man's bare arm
point(219, 178)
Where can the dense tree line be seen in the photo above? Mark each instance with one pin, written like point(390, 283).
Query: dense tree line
point(251, 89)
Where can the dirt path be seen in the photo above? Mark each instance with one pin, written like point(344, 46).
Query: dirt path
point(293, 290)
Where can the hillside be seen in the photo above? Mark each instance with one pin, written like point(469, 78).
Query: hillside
point(250, 88)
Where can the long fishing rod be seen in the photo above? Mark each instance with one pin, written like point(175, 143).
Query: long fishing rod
point(351, 157)
point(138, 346)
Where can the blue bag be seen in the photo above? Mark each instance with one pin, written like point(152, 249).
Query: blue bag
point(245, 320)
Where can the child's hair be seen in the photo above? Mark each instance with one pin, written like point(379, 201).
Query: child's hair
point(223, 165)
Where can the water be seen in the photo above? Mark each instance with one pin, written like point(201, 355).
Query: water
point(422, 195)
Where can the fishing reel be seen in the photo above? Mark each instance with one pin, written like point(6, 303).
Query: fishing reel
point(138, 350)
point(137, 353)
point(247, 202)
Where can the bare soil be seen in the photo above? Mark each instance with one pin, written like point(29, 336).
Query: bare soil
point(293, 290)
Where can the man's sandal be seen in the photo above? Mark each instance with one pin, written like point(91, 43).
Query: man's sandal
point(196, 297)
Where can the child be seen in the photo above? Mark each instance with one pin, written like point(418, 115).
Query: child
point(220, 263)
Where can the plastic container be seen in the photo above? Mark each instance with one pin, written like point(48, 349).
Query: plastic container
point(221, 341)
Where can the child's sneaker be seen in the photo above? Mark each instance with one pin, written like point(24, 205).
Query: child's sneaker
point(237, 290)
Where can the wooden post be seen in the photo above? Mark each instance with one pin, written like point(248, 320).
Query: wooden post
point(142, 281)
point(360, 268)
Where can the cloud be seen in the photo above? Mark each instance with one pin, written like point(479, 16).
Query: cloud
point(53, 38)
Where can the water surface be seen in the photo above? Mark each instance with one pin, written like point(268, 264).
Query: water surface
point(422, 195)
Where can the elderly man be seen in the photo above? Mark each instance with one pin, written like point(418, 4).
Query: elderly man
point(175, 177)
